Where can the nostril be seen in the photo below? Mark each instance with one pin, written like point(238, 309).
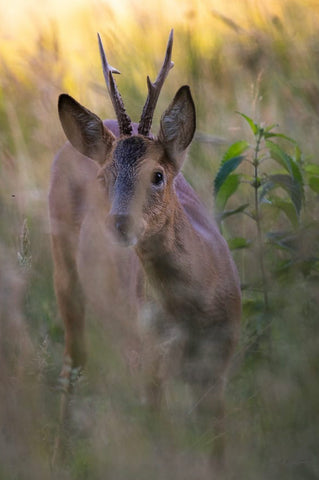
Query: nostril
point(121, 224)
point(123, 229)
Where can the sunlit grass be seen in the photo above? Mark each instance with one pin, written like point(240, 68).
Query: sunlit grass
point(260, 58)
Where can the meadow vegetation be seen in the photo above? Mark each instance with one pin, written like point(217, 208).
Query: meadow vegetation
point(261, 181)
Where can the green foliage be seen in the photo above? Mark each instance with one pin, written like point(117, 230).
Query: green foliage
point(225, 184)
point(253, 126)
point(238, 242)
point(313, 172)
point(274, 202)
point(245, 54)
point(263, 181)
point(226, 189)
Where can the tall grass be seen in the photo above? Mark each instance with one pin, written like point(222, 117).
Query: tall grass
point(260, 58)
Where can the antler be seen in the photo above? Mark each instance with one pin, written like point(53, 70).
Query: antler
point(124, 121)
point(154, 89)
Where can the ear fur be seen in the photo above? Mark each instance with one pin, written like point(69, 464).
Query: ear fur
point(178, 125)
point(84, 129)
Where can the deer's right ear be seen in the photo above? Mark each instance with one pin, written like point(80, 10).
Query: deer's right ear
point(84, 129)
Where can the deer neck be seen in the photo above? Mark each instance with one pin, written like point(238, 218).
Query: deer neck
point(171, 272)
point(163, 254)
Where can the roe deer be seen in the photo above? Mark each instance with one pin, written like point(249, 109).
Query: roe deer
point(131, 237)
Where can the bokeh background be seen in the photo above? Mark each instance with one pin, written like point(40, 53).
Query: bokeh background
point(259, 58)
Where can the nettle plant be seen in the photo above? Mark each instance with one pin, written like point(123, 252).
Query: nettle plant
point(277, 177)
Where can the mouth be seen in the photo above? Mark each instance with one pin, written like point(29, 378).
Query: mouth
point(124, 233)
point(126, 241)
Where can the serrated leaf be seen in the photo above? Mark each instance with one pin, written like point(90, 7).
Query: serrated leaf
point(238, 243)
point(287, 208)
point(254, 127)
point(279, 135)
point(228, 213)
point(274, 181)
point(296, 188)
point(225, 170)
point(288, 163)
point(235, 150)
point(314, 184)
point(228, 188)
point(287, 183)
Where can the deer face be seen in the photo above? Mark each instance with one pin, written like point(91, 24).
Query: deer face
point(137, 172)
point(138, 179)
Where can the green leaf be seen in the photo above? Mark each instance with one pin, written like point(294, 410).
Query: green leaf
point(287, 183)
point(274, 181)
point(283, 240)
point(270, 127)
point(238, 243)
point(287, 208)
point(226, 191)
point(235, 150)
point(288, 163)
point(225, 170)
point(252, 306)
point(254, 127)
point(312, 169)
point(228, 213)
point(298, 154)
point(314, 184)
point(280, 135)
point(295, 187)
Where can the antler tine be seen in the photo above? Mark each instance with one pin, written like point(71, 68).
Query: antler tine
point(154, 89)
point(124, 121)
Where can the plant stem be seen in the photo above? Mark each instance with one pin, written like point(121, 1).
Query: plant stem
point(256, 185)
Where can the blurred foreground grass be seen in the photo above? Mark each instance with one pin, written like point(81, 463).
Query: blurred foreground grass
point(260, 58)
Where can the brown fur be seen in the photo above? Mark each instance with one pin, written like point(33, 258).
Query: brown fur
point(174, 278)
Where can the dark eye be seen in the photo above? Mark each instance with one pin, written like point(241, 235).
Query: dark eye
point(157, 178)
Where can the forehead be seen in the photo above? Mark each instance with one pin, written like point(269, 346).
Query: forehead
point(129, 150)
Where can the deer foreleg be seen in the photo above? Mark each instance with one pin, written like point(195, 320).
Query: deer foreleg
point(71, 306)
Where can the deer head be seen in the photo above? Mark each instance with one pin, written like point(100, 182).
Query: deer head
point(136, 171)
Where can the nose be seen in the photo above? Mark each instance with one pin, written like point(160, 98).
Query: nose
point(122, 225)
point(123, 229)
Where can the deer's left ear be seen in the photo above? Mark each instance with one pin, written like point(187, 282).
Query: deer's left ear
point(178, 125)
